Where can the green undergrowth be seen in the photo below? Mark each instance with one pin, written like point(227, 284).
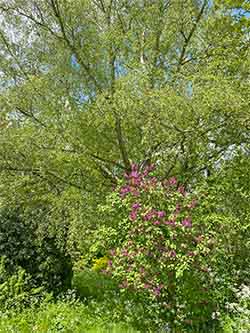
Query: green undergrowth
point(59, 317)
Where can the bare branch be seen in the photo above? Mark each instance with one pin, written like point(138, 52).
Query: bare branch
point(188, 38)
point(30, 115)
point(121, 142)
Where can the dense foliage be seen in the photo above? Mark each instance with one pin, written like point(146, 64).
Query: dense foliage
point(23, 245)
point(124, 165)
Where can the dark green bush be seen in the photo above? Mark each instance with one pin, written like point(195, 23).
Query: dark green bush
point(24, 245)
point(17, 290)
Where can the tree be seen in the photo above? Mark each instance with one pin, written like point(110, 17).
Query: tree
point(89, 86)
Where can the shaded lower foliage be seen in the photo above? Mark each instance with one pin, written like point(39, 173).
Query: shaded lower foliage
point(39, 255)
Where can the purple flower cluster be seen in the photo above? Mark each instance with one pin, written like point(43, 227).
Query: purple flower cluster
point(172, 253)
point(136, 180)
point(157, 290)
point(172, 181)
point(187, 223)
point(181, 189)
point(133, 213)
point(154, 213)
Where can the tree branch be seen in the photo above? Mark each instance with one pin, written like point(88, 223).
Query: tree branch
point(57, 13)
point(30, 115)
point(121, 143)
point(36, 172)
point(187, 39)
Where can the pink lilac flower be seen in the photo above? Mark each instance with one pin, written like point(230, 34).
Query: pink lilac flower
point(187, 223)
point(124, 191)
point(133, 216)
point(136, 205)
point(134, 167)
point(172, 253)
point(110, 263)
point(135, 181)
point(172, 181)
point(191, 254)
point(177, 208)
point(161, 214)
point(181, 189)
point(156, 222)
point(157, 290)
point(170, 222)
point(134, 174)
point(148, 169)
point(148, 216)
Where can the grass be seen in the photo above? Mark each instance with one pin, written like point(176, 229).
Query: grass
point(59, 317)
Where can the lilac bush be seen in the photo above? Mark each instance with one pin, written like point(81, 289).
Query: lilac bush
point(161, 252)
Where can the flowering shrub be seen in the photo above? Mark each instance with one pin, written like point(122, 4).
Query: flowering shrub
point(160, 251)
